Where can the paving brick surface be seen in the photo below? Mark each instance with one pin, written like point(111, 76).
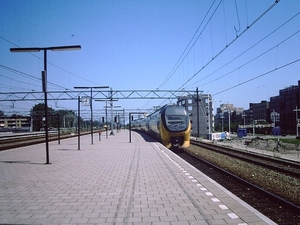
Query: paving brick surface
point(112, 182)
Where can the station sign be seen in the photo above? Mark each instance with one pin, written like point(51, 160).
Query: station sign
point(85, 101)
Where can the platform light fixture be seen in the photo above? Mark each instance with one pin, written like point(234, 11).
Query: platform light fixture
point(44, 79)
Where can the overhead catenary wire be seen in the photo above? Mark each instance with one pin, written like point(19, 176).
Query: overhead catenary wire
point(239, 67)
point(251, 47)
point(232, 41)
point(258, 76)
point(226, 46)
point(29, 76)
point(188, 48)
point(9, 78)
point(186, 52)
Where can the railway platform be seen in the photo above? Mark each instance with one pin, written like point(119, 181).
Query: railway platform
point(112, 181)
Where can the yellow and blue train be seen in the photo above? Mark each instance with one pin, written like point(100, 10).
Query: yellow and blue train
point(170, 124)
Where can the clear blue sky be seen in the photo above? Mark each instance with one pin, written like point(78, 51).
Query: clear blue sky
point(136, 45)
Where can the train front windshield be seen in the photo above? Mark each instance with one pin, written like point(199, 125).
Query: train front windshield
point(176, 118)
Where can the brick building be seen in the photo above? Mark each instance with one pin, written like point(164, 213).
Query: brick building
point(201, 117)
point(15, 123)
point(285, 105)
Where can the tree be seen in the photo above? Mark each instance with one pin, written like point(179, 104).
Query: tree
point(38, 113)
point(1, 113)
point(66, 118)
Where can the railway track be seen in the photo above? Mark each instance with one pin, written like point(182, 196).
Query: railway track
point(22, 140)
point(278, 208)
point(280, 165)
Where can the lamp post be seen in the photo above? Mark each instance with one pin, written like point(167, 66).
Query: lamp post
point(222, 117)
point(244, 116)
point(44, 79)
point(197, 104)
point(78, 123)
point(91, 105)
point(229, 114)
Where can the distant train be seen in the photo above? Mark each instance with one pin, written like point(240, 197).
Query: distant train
point(170, 125)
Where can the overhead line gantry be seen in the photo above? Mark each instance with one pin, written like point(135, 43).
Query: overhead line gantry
point(97, 94)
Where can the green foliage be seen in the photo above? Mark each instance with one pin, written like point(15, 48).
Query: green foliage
point(287, 140)
point(39, 109)
point(56, 118)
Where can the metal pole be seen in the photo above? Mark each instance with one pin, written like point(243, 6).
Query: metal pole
point(229, 120)
point(197, 102)
point(209, 112)
point(78, 122)
point(91, 100)
point(130, 115)
point(106, 119)
point(111, 115)
point(58, 130)
point(124, 118)
point(129, 127)
point(46, 107)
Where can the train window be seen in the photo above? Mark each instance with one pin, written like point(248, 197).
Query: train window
point(176, 122)
point(176, 118)
point(175, 111)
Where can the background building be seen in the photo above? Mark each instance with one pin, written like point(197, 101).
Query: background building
point(202, 118)
point(15, 123)
point(228, 117)
point(261, 111)
point(282, 110)
point(286, 105)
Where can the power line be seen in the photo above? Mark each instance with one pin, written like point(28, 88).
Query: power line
point(238, 36)
point(227, 45)
point(261, 75)
point(186, 52)
point(251, 47)
point(28, 76)
point(9, 78)
point(239, 67)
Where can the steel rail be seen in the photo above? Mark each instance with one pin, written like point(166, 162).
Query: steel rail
point(288, 205)
point(283, 166)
